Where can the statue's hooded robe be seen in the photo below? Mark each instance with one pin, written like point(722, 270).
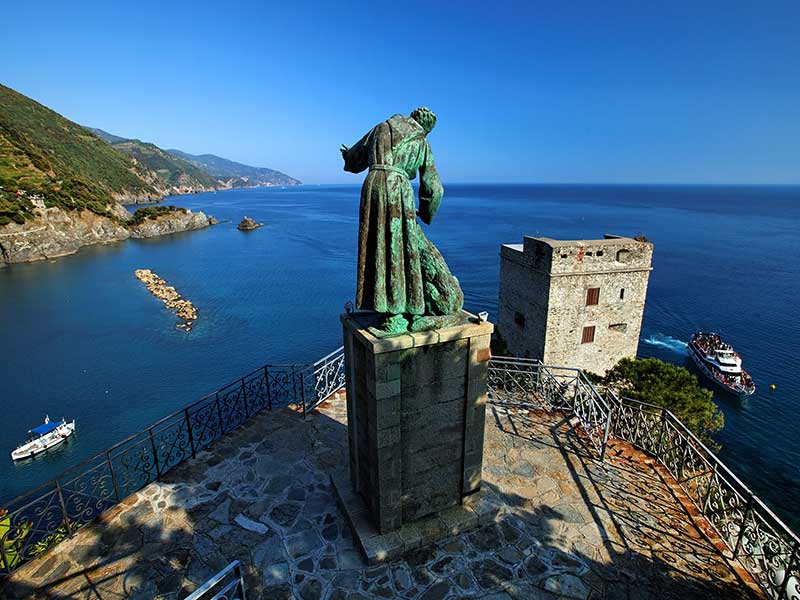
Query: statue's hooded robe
point(399, 270)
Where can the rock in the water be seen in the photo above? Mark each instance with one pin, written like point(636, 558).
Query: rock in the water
point(248, 224)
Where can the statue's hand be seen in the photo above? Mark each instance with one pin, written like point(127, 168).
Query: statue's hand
point(344, 150)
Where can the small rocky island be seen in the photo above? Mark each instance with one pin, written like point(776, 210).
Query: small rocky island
point(184, 309)
point(248, 224)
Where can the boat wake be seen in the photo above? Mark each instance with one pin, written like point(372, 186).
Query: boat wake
point(668, 342)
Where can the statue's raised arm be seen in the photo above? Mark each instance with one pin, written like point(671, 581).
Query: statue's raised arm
point(400, 273)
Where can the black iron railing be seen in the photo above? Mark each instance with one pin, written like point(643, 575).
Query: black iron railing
point(228, 584)
point(41, 518)
point(528, 383)
point(753, 534)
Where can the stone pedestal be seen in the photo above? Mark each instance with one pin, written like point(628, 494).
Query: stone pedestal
point(415, 411)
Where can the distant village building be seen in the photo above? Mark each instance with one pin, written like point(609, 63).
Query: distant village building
point(574, 303)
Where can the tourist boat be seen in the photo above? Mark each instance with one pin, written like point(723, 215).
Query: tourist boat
point(44, 437)
point(720, 363)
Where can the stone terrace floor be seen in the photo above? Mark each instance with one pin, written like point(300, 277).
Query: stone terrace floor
point(572, 527)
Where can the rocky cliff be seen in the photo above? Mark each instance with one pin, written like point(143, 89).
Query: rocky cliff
point(54, 232)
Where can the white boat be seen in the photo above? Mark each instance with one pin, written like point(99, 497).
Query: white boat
point(44, 437)
point(720, 363)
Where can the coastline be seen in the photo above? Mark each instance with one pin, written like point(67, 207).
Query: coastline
point(54, 233)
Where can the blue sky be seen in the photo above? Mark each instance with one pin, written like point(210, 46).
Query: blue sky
point(636, 91)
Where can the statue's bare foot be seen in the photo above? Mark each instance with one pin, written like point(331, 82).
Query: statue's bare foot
point(394, 325)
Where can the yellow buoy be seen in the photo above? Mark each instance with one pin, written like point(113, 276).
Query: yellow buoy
point(772, 386)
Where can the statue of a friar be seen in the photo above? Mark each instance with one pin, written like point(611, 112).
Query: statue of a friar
point(400, 273)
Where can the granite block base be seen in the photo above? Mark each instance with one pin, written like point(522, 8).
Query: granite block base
point(479, 508)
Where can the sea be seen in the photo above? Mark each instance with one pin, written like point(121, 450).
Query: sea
point(82, 338)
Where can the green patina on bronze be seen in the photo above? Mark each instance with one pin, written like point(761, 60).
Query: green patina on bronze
point(400, 272)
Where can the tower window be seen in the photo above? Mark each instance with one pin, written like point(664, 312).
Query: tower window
point(588, 335)
point(623, 255)
point(519, 319)
point(599, 253)
point(622, 294)
point(592, 296)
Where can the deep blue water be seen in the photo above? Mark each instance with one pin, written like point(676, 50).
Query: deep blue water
point(81, 337)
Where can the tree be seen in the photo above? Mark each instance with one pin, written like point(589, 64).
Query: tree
point(670, 386)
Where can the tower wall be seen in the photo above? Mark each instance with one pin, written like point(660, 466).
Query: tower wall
point(544, 289)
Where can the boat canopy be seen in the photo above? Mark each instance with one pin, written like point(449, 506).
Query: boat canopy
point(45, 428)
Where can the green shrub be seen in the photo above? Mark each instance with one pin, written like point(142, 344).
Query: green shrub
point(152, 212)
point(670, 386)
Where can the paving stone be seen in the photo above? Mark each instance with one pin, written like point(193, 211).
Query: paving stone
point(251, 525)
point(302, 544)
point(486, 538)
point(510, 555)
point(535, 566)
point(279, 592)
point(437, 591)
point(568, 562)
point(491, 574)
point(402, 578)
point(311, 590)
point(346, 580)
point(576, 529)
point(465, 581)
point(566, 586)
point(350, 559)
point(269, 552)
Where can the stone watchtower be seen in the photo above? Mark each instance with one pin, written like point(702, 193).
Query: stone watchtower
point(574, 303)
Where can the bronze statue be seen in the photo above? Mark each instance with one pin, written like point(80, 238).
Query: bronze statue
point(400, 273)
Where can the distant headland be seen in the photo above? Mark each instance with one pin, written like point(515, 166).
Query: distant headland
point(61, 192)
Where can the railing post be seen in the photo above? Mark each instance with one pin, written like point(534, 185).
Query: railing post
point(244, 398)
point(63, 504)
point(794, 560)
point(240, 586)
point(747, 514)
point(155, 452)
point(303, 393)
point(189, 430)
point(269, 389)
point(219, 415)
point(294, 386)
point(606, 434)
point(659, 447)
point(113, 475)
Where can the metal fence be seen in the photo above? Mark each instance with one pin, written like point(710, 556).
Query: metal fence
point(228, 584)
point(41, 518)
point(526, 383)
point(753, 534)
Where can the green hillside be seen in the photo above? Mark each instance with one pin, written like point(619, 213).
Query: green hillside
point(227, 170)
point(171, 170)
point(41, 152)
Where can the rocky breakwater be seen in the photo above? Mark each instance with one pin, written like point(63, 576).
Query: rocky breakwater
point(54, 232)
point(184, 309)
